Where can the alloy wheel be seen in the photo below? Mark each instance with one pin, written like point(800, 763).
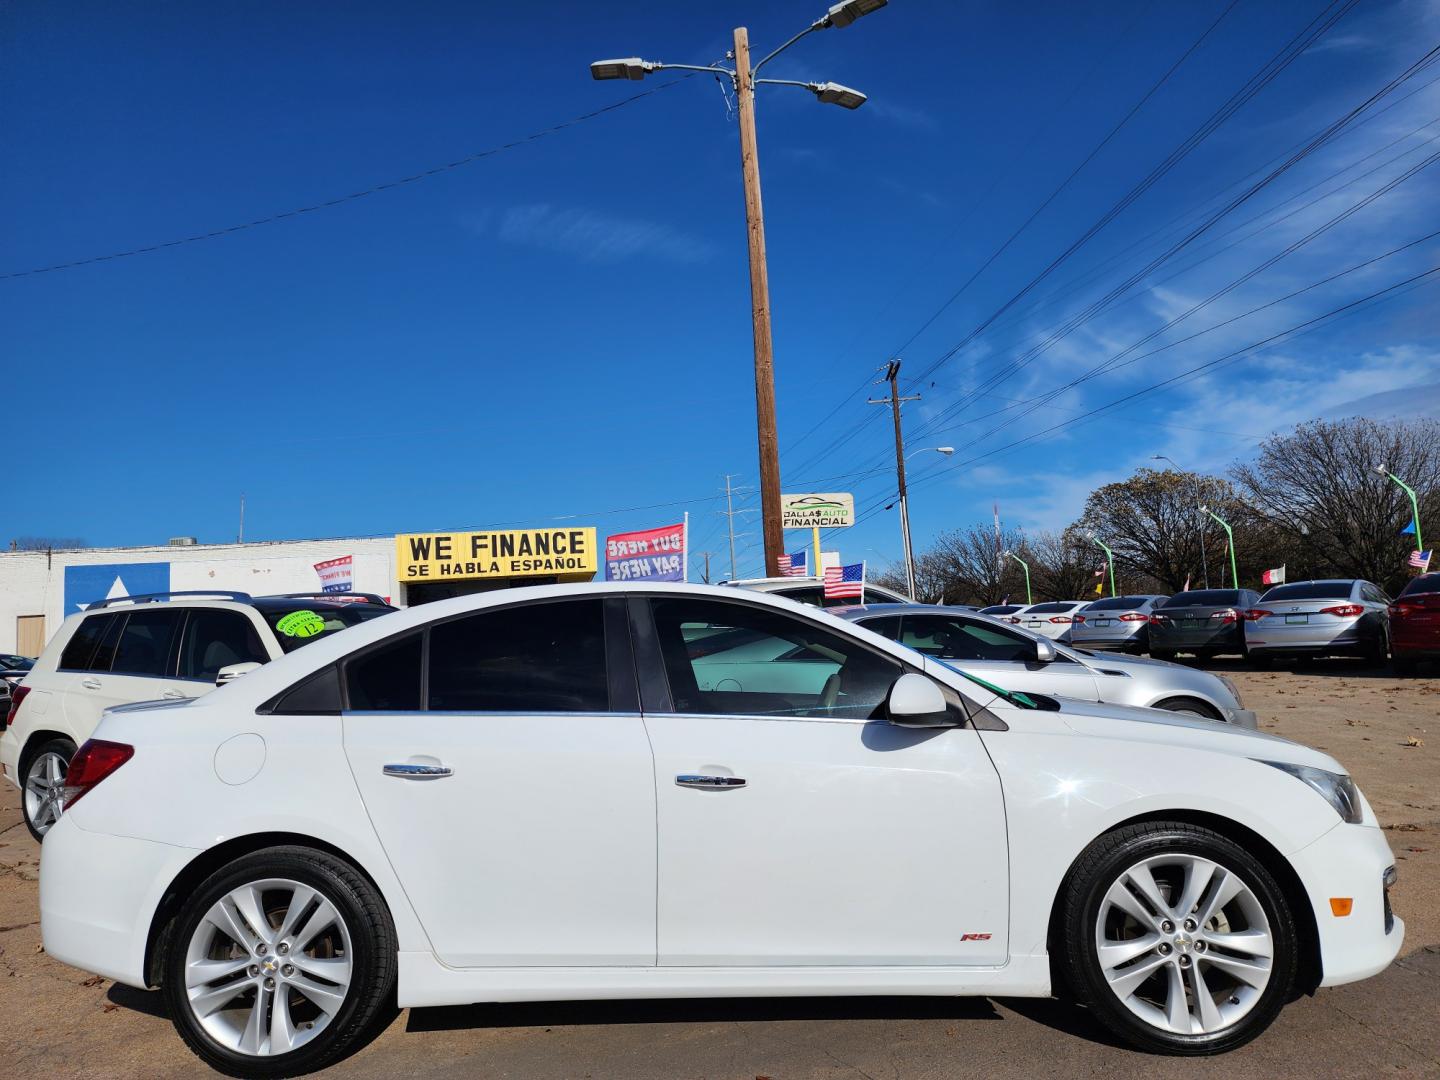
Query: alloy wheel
point(268, 967)
point(45, 790)
point(1184, 943)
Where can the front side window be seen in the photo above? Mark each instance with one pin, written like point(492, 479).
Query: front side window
point(529, 658)
point(216, 638)
point(386, 678)
point(144, 646)
point(948, 638)
point(738, 659)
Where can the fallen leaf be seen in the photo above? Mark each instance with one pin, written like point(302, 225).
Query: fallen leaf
point(110, 1006)
point(1413, 741)
point(1404, 826)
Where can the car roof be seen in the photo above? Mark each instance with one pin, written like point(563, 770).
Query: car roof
point(221, 598)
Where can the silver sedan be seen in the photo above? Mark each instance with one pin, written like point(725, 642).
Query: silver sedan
point(1319, 618)
point(1016, 659)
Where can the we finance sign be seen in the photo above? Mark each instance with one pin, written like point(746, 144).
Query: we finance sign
point(495, 554)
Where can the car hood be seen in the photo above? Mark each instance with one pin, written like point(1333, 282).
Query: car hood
point(1131, 723)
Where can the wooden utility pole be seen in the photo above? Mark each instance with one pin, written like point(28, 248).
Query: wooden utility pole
point(892, 374)
point(759, 310)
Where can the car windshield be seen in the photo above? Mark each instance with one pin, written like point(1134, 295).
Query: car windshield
point(1310, 590)
point(1118, 603)
point(1204, 598)
point(298, 624)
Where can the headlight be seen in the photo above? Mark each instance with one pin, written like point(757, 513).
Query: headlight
point(1335, 788)
point(1233, 691)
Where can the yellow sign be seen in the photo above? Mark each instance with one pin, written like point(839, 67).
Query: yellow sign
point(566, 553)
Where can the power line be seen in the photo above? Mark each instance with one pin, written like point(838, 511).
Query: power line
point(414, 178)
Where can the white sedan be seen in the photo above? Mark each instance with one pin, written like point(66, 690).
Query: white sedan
point(591, 791)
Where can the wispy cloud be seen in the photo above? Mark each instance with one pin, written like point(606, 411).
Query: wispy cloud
point(593, 236)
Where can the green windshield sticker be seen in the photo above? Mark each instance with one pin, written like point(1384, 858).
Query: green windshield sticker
point(1009, 695)
point(301, 624)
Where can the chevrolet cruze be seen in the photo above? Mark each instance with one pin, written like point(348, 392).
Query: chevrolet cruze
point(591, 791)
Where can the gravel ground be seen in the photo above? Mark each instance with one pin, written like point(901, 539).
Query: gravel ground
point(59, 1022)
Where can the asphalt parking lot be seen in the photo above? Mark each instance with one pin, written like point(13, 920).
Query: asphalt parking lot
point(59, 1022)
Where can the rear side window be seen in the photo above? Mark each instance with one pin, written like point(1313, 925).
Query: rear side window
point(79, 651)
point(144, 646)
point(386, 679)
point(530, 658)
point(1310, 590)
point(319, 695)
point(216, 638)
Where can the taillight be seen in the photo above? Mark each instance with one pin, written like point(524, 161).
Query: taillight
point(1060, 618)
point(17, 695)
point(1134, 616)
point(1344, 611)
point(1158, 619)
point(1225, 616)
point(1402, 609)
point(1080, 618)
point(1256, 613)
point(93, 762)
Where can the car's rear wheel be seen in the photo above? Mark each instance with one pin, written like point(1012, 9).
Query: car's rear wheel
point(279, 962)
point(1178, 939)
point(45, 771)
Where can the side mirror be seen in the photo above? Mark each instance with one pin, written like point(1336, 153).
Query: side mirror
point(231, 672)
point(1044, 652)
point(916, 702)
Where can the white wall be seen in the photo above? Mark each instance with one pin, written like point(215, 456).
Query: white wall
point(33, 583)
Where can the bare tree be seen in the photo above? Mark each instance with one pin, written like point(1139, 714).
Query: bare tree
point(1062, 564)
point(971, 565)
point(1320, 484)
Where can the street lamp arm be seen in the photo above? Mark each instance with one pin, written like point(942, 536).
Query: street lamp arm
point(812, 87)
point(694, 67)
point(818, 24)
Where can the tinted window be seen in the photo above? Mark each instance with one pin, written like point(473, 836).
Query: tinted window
point(105, 651)
point(1423, 583)
point(216, 638)
point(886, 626)
point(732, 658)
point(387, 678)
point(1001, 609)
point(318, 695)
point(80, 649)
point(1204, 598)
point(1052, 609)
point(1118, 603)
point(1373, 594)
point(144, 647)
point(531, 658)
point(1311, 590)
point(298, 624)
point(947, 638)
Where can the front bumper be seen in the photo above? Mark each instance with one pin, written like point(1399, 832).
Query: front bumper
point(98, 895)
point(1243, 718)
point(1350, 861)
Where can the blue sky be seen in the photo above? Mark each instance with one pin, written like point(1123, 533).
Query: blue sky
point(561, 331)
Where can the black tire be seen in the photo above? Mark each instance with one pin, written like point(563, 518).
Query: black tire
point(374, 958)
point(59, 745)
point(1379, 653)
point(1260, 661)
point(1403, 666)
point(1163, 654)
point(1084, 891)
point(1188, 706)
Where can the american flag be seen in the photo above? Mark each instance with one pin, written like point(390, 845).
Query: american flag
point(793, 565)
point(1420, 560)
point(845, 581)
point(784, 562)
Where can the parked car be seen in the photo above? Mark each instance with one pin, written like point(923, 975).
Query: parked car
point(1009, 612)
point(458, 803)
point(1052, 619)
point(1019, 659)
point(1205, 622)
point(1335, 617)
point(16, 662)
point(1121, 623)
point(809, 591)
point(1415, 624)
point(137, 648)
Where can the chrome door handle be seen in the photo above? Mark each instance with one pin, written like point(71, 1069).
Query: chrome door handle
point(697, 780)
point(172, 694)
point(90, 684)
point(408, 771)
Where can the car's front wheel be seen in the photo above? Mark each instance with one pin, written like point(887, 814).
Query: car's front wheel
point(45, 771)
point(1178, 939)
point(279, 962)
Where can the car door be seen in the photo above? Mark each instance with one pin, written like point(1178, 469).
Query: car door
point(996, 654)
point(503, 761)
point(796, 826)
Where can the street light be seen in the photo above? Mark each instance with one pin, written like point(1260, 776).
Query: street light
point(1204, 560)
point(1384, 470)
point(1026, 567)
point(1230, 542)
point(1109, 558)
point(744, 79)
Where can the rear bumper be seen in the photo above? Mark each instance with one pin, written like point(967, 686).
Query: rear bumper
point(1210, 638)
point(98, 895)
point(1350, 861)
point(1306, 639)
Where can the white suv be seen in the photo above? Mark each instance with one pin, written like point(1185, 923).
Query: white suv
point(143, 648)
